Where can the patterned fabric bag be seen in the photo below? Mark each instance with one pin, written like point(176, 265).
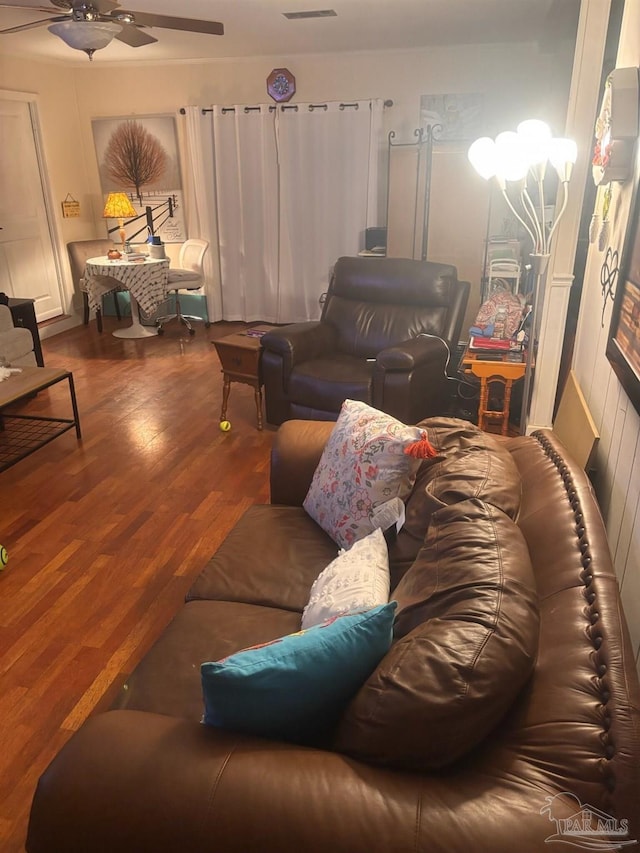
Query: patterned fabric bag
point(500, 315)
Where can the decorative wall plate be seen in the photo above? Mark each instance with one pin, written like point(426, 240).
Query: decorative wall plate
point(281, 84)
point(616, 127)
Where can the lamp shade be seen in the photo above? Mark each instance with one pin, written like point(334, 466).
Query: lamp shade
point(536, 137)
point(482, 156)
point(118, 206)
point(511, 155)
point(563, 154)
point(86, 35)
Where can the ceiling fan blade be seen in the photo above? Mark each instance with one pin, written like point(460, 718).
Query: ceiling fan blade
point(47, 9)
point(103, 6)
point(134, 37)
point(65, 6)
point(189, 25)
point(33, 24)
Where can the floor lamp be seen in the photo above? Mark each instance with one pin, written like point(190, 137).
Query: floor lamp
point(513, 159)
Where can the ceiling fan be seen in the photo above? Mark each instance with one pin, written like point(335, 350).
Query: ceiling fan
point(90, 26)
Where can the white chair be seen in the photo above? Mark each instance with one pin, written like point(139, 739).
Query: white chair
point(188, 276)
point(504, 273)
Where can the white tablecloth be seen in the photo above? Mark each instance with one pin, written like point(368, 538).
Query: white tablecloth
point(146, 280)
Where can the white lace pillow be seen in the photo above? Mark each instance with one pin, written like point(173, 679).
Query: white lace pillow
point(358, 579)
point(370, 459)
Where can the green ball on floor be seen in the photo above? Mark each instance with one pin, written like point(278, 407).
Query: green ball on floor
point(4, 557)
point(225, 426)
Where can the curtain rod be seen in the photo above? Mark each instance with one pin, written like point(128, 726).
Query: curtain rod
point(272, 108)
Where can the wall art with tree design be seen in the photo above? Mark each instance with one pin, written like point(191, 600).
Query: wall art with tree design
point(138, 155)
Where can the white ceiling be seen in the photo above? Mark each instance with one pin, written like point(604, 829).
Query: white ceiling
point(258, 28)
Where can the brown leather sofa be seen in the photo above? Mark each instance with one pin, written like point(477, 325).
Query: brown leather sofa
point(480, 759)
point(379, 340)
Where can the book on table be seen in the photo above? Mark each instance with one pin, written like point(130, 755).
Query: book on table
point(479, 344)
point(134, 256)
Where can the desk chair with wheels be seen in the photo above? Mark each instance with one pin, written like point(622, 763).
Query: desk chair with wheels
point(189, 276)
point(79, 252)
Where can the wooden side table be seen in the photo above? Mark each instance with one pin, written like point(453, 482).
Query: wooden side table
point(240, 355)
point(502, 372)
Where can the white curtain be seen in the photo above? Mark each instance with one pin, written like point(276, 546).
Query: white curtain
point(246, 169)
point(200, 200)
point(325, 174)
point(295, 187)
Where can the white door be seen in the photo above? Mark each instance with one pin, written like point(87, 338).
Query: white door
point(27, 262)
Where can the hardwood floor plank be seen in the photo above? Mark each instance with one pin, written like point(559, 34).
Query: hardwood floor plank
point(106, 535)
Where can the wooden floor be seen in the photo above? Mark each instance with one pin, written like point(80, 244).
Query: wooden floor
point(106, 535)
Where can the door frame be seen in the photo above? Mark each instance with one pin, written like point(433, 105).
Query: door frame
point(32, 101)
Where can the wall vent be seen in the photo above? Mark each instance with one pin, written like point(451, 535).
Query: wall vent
point(318, 13)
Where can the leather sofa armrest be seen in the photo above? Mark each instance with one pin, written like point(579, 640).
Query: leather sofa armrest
point(301, 341)
point(295, 454)
point(415, 352)
point(130, 781)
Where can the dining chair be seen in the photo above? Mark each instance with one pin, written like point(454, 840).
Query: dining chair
point(187, 276)
point(79, 252)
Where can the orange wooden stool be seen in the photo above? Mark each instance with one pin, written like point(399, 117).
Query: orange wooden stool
point(504, 373)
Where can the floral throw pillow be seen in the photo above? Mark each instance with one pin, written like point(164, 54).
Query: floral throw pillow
point(369, 460)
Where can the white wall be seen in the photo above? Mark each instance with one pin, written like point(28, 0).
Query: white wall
point(617, 479)
point(517, 80)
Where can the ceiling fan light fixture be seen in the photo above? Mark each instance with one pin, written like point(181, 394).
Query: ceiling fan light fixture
point(86, 35)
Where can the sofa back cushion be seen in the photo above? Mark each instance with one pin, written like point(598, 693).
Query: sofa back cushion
point(466, 639)
point(470, 463)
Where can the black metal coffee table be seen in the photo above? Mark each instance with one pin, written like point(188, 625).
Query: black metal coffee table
point(21, 434)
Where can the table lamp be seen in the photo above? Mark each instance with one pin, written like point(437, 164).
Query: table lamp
point(118, 206)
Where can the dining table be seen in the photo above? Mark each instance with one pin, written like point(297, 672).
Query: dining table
point(146, 279)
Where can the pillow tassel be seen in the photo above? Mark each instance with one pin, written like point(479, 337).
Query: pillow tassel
point(421, 449)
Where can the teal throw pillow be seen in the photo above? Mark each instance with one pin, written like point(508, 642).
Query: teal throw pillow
point(296, 688)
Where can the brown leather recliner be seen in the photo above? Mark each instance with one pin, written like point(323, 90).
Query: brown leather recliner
point(379, 339)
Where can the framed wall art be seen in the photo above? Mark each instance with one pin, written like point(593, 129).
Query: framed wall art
point(138, 155)
point(623, 344)
point(459, 116)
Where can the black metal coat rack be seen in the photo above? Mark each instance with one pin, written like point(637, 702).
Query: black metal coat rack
point(424, 148)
